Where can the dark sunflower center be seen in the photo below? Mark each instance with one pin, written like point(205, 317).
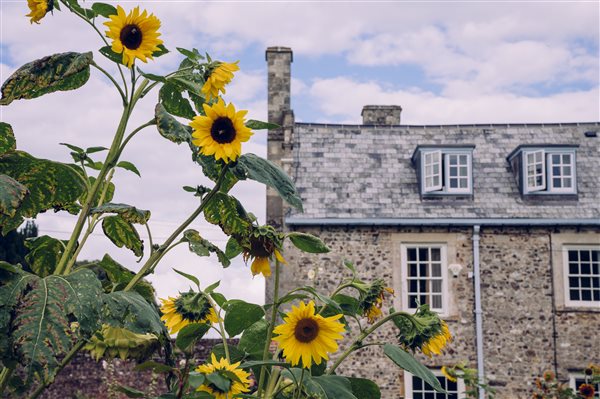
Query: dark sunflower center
point(131, 37)
point(306, 330)
point(222, 130)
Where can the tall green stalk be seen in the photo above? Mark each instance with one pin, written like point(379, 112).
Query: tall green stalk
point(263, 369)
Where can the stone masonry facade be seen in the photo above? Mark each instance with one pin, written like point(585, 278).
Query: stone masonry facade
point(360, 195)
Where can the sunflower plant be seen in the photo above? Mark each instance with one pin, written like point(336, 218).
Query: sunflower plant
point(55, 306)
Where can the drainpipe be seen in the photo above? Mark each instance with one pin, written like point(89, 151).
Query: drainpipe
point(478, 311)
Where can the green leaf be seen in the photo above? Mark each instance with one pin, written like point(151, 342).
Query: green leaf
point(127, 309)
point(348, 304)
point(219, 381)
point(189, 334)
point(12, 194)
point(226, 211)
point(363, 388)
point(44, 254)
point(212, 287)
point(196, 379)
point(129, 166)
point(162, 50)
point(212, 169)
point(261, 170)
point(350, 266)
point(7, 138)
point(58, 72)
point(42, 318)
point(174, 103)
point(103, 9)
point(335, 386)
point(188, 276)
point(111, 55)
point(186, 84)
point(153, 77)
point(233, 248)
point(127, 212)
point(169, 127)
point(130, 392)
point(92, 150)
point(192, 55)
point(259, 125)
point(254, 338)
point(86, 12)
point(308, 243)
point(241, 315)
point(73, 147)
point(218, 298)
point(123, 234)
point(407, 362)
point(115, 277)
point(202, 247)
point(50, 184)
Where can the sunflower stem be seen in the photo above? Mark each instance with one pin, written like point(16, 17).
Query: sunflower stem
point(221, 329)
point(4, 378)
point(265, 356)
point(357, 343)
point(299, 391)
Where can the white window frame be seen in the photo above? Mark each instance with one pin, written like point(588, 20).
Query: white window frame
point(568, 301)
point(526, 175)
point(469, 176)
point(408, 384)
point(549, 166)
point(573, 377)
point(444, 310)
point(436, 158)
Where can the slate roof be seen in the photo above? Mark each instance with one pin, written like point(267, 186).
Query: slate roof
point(358, 171)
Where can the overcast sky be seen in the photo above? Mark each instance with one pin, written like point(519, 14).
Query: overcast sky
point(443, 62)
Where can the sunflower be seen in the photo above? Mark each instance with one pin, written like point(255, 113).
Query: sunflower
point(261, 245)
point(308, 336)
point(218, 77)
point(371, 298)
point(134, 35)
point(189, 307)
point(587, 391)
point(221, 132)
point(436, 343)
point(38, 9)
point(449, 374)
point(239, 385)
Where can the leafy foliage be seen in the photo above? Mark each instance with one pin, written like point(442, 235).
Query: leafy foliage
point(129, 213)
point(407, 362)
point(169, 127)
point(50, 185)
point(308, 243)
point(251, 166)
point(241, 315)
point(44, 254)
point(41, 318)
point(202, 247)
point(7, 138)
point(123, 234)
point(174, 102)
point(58, 72)
point(131, 311)
point(227, 212)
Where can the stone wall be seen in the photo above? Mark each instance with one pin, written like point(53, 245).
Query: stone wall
point(519, 319)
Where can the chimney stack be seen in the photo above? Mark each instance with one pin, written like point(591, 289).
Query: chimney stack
point(381, 114)
point(279, 60)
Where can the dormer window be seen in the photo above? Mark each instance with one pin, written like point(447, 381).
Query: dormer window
point(444, 170)
point(546, 169)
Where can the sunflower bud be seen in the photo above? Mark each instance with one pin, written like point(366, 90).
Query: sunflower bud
point(371, 298)
point(428, 332)
point(262, 244)
point(188, 307)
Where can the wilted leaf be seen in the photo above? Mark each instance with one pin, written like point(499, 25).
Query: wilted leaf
point(66, 71)
point(225, 211)
point(7, 138)
point(123, 234)
point(130, 310)
point(50, 184)
point(169, 127)
point(202, 247)
point(259, 125)
point(12, 194)
point(44, 254)
point(127, 212)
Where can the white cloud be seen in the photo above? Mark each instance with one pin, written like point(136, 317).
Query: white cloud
point(420, 107)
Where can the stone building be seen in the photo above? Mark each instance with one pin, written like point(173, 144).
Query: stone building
point(497, 227)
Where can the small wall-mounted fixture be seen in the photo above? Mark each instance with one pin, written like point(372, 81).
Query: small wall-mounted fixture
point(591, 133)
point(455, 269)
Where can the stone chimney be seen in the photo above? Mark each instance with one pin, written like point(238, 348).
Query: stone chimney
point(279, 60)
point(381, 114)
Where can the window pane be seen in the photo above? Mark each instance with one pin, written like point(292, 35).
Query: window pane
point(453, 160)
point(596, 295)
point(436, 301)
point(464, 183)
point(453, 183)
point(463, 160)
point(412, 254)
point(586, 282)
point(413, 286)
point(567, 182)
point(573, 294)
point(556, 182)
point(453, 172)
point(423, 299)
point(567, 171)
point(566, 158)
point(423, 286)
point(573, 268)
point(595, 255)
point(584, 256)
point(417, 395)
point(573, 282)
point(595, 268)
point(412, 270)
point(586, 268)
point(436, 270)
point(412, 301)
point(555, 158)
point(423, 270)
point(423, 254)
point(436, 286)
point(436, 254)
point(429, 395)
point(573, 256)
point(463, 171)
point(417, 383)
point(596, 282)
point(586, 295)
